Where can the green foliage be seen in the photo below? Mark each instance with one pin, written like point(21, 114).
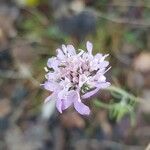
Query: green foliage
point(29, 3)
point(53, 32)
point(117, 110)
point(35, 30)
point(130, 37)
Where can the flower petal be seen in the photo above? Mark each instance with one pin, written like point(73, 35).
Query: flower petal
point(81, 108)
point(98, 56)
point(53, 63)
point(102, 78)
point(71, 50)
point(82, 79)
point(103, 64)
point(66, 98)
point(60, 54)
point(64, 48)
point(47, 99)
point(51, 76)
point(91, 93)
point(103, 85)
point(102, 59)
point(89, 47)
point(59, 105)
point(50, 86)
point(66, 103)
point(78, 105)
point(70, 71)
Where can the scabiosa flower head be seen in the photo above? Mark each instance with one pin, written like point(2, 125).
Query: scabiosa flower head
point(73, 77)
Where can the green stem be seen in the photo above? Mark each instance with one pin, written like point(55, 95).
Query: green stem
point(122, 92)
point(119, 91)
point(104, 105)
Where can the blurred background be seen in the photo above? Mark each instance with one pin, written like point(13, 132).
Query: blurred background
point(30, 31)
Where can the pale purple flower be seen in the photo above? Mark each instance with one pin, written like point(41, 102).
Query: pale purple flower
point(73, 77)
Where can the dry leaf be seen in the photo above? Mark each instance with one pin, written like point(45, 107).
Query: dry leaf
point(103, 122)
point(7, 19)
point(72, 119)
point(3, 39)
point(77, 6)
point(142, 62)
point(11, 13)
point(145, 107)
point(135, 80)
point(24, 57)
point(23, 52)
point(5, 107)
point(30, 139)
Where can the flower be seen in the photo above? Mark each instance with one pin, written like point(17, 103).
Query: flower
point(73, 77)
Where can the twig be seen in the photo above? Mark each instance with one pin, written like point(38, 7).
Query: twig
point(125, 4)
point(9, 74)
point(41, 18)
point(123, 20)
point(140, 22)
point(123, 92)
point(148, 147)
point(104, 105)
